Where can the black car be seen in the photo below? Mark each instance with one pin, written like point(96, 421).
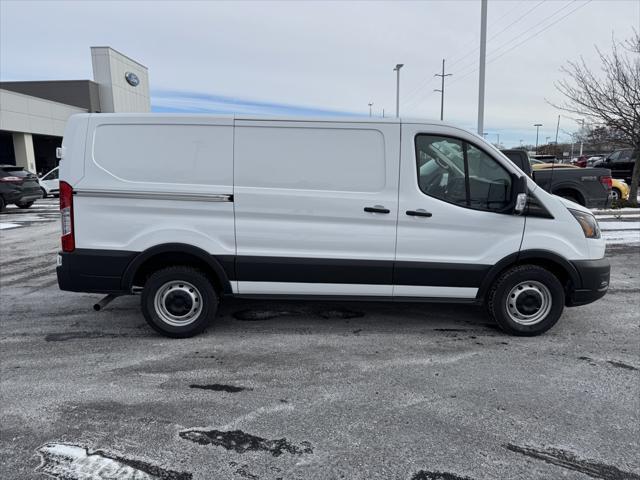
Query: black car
point(621, 163)
point(18, 186)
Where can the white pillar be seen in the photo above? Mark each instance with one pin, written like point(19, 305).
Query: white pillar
point(23, 148)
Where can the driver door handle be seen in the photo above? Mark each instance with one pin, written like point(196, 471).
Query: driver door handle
point(418, 213)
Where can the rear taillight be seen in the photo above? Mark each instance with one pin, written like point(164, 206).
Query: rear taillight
point(607, 182)
point(11, 179)
point(66, 217)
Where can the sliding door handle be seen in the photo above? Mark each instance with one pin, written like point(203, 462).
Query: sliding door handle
point(377, 209)
point(418, 213)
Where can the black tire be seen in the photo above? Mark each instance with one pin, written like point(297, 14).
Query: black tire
point(44, 192)
point(2, 204)
point(544, 287)
point(188, 294)
point(24, 205)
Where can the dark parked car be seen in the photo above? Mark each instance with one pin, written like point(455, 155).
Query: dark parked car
point(18, 186)
point(621, 163)
point(590, 187)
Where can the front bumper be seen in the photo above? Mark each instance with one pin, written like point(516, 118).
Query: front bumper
point(594, 281)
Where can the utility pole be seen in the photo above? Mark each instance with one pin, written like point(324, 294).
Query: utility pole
point(521, 142)
point(397, 69)
point(383, 113)
point(537, 125)
point(581, 134)
point(498, 135)
point(442, 75)
point(370, 105)
point(483, 55)
point(557, 128)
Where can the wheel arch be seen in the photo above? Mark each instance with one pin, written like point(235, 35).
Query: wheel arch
point(570, 190)
point(219, 267)
point(558, 265)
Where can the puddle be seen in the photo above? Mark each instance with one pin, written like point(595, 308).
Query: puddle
point(569, 461)
point(340, 313)
point(621, 365)
point(242, 442)
point(217, 387)
point(70, 462)
point(254, 315)
point(63, 337)
point(424, 475)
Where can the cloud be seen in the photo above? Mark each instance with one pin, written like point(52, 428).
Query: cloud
point(197, 102)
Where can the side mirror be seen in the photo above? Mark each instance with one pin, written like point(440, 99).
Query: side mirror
point(519, 194)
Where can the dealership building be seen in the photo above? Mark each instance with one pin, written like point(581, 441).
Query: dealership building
point(33, 114)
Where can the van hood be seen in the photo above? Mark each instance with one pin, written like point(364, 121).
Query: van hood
point(573, 205)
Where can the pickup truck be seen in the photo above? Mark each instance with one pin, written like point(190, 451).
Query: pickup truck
point(590, 187)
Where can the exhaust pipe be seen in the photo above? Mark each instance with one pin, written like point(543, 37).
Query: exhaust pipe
point(104, 302)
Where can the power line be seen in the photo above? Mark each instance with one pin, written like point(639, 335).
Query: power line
point(427, 80)
point(519, 36)
point(500, 32)
point(461, 76)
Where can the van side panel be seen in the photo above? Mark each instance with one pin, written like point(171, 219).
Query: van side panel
point(151, 180)
point(300, 196)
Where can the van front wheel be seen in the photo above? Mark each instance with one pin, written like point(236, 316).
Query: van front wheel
point(179, 301)
point(526, 300)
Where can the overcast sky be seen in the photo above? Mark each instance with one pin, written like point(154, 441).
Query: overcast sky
point(310, 58)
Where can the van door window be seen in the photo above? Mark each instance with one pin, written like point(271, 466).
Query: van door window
point(460, 173)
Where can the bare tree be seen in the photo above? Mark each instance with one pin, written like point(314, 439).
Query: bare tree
point(611, 97)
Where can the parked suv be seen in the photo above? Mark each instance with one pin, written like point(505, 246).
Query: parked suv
point(18, 186)
point(621, 163)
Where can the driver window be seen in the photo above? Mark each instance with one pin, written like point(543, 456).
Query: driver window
point(441, 168)
point(460, 173)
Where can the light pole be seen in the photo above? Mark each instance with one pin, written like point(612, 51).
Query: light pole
point(581, 134)
point(537, 125)
point(397, 70)
point(483, 56)
point(370, 105)
point(520, 142)
point(498, 135)
point(442, 75)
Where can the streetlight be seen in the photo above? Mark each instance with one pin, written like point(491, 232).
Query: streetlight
point(537, 125)
point(397, 70)
point(370, 105)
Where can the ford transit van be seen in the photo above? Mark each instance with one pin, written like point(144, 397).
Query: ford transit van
point(187, 210)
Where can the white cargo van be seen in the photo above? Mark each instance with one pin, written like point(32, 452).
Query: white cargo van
point(189, 209)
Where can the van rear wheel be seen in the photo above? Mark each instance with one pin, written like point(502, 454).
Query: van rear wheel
point(526, 300)
point(179, 302)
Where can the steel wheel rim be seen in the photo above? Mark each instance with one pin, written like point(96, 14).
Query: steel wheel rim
point(528, 302)
point(178, 303)
point(614, 195)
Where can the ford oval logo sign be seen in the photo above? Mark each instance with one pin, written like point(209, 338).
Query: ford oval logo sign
point(132, 79)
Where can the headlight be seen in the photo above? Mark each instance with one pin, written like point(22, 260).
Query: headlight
point(587, 222)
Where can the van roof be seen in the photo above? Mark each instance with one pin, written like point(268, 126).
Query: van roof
point(281, 118)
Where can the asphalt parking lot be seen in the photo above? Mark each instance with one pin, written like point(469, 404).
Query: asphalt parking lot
point(310, 390)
